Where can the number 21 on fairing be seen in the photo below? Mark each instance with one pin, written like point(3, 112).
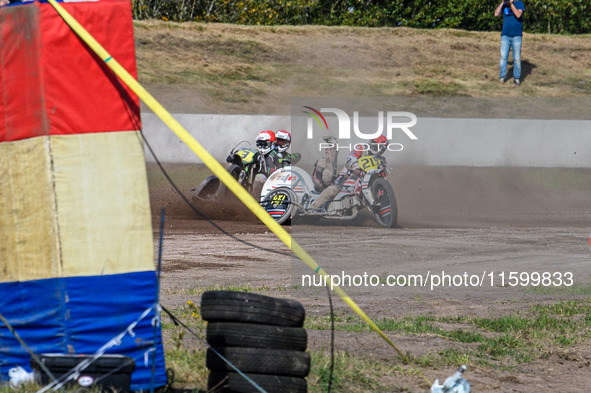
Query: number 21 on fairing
point(367, 163)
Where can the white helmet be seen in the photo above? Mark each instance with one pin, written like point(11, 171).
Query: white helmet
point(266, 142)
point(283, 140)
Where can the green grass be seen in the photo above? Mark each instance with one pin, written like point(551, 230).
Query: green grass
point(501, 342)
point(189, 367)
point(352, 373)
point(258, 69)
point(433, 88)
point(238, 288)
point(575, 290)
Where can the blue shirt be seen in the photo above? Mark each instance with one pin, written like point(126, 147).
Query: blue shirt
point(512, 26)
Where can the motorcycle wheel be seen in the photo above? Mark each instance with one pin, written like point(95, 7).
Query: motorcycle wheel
point(234, 170)
point(208, 189)
point(386, 211)
point(212, 188)
point(257, 189)
point(280, 204)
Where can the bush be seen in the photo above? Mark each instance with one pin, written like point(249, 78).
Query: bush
point(541, 16)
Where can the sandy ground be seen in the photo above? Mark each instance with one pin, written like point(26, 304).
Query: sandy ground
point(482, 222)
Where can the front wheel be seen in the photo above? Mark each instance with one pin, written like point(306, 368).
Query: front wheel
point(235, 171)
point(280, 204)
point(385, 209)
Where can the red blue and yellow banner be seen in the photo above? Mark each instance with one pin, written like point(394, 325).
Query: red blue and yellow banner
point(76, 251)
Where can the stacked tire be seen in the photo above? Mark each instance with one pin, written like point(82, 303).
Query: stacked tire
point(262, 336)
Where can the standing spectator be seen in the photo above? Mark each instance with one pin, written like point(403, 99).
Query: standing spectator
point(511, 35)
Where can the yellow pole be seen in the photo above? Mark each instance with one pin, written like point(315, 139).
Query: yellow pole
point(213, 165)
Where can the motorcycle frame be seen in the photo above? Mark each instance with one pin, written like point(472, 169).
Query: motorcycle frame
point(303, 187)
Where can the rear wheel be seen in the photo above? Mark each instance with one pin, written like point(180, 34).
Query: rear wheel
point(280, 204)
point(385, 210)
point(257, 188)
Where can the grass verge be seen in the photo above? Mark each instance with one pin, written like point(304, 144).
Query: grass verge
point(488, 344)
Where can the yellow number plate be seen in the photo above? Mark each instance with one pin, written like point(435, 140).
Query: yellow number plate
point(246, 155)
point(367, 163)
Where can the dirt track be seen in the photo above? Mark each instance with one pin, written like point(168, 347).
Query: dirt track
point(455, 220)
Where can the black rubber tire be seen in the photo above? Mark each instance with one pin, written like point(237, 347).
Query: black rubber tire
point(234, 170)
point(283, 210)
point(260, 361)
point(250, 335)
point(257, 188)
point(208, 190)
point(230, 306)
point(231, 382)
point(387, 213)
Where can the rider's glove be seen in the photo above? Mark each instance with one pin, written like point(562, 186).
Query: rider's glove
point(229, 159)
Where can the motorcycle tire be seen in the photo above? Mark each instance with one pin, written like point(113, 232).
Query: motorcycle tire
point(251, 335)
point(230, 306)
point(234, 170)
point(257, 189)
point(212, 188)
point(208, 190)
point(386, 214)
point(222, 382)
point(281, 204)
point(260, 361)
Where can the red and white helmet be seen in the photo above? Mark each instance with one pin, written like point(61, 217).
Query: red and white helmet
point(283, 140)
point(378, 146)
point(266, 141)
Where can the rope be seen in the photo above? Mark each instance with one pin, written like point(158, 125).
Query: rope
point(331, 341)
point(216, 168)
point(156, 321)
point(29, 350)
point(75, 372)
